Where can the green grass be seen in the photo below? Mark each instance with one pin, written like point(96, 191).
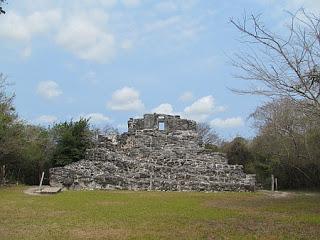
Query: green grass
point(157, 215)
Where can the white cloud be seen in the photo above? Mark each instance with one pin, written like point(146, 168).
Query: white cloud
point(227, 123)
point(83, 35)
point(126, 99)
point(22, 28)
point(97, 118)
point(82, 27)
point(131, 3)
point(48, 89)
point(164, 108)
point(202, 108)
point(186, 96)
point(46, 119)
point(82, 32)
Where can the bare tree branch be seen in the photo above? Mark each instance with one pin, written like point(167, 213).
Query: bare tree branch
point(282, 65)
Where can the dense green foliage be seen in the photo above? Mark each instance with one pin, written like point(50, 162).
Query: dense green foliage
point(287, 146)
point(27, 150)
point(288, 141)
point(238, 151)
point(71, 139)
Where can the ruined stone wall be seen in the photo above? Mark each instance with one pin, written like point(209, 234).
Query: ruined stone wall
point(149, 159)
point(151, 122)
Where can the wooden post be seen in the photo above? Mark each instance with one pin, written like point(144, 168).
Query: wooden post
point(272, 182)
point(41, 181)
point(276, 183)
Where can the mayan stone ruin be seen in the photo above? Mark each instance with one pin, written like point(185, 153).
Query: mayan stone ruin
point(159, 152)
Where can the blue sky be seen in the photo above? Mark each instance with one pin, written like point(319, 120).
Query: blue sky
point(115, 59)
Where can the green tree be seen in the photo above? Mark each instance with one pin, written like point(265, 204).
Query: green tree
point(287, 144)
point(37, 152)
point(237, 152)
point(10, 134)
point(71, 139)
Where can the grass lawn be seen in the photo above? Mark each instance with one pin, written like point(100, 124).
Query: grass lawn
point(157, 215)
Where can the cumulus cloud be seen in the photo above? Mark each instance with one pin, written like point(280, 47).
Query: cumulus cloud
point(46, 119)
point(164, 108)
point(82, 27)
point(202, 108)
point(186, 96)
point(49, 89)
point(84, 36)
point(97, 118)
point(82, 32)
point(227, 123)
point(22, 28)
point(126, 99)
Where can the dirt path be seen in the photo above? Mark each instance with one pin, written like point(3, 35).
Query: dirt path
point(278, 194)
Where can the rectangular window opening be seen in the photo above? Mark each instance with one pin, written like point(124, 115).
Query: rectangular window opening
point(161, 126)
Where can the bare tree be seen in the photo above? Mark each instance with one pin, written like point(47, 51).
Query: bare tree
point(285, 64)
point(6, 100)
point(1, 9)
point(110, 130)
point(207, 135)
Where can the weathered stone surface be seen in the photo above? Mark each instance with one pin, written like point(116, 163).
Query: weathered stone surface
point(147, 158)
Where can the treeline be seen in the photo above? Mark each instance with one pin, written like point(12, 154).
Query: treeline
point(287, 145)
point(285, 67)
point(27, 150)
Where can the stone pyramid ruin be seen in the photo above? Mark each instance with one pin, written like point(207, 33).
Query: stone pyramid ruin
point(159, 152)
